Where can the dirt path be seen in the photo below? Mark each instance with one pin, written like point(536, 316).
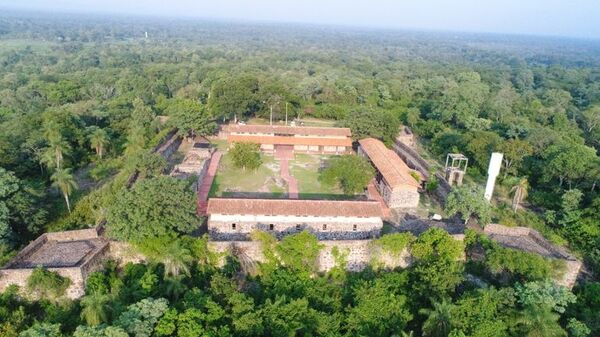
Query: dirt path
point(291, 181)
point(207, 181)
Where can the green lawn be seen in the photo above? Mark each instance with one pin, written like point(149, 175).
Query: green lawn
point(305, 168)
point(234, 182)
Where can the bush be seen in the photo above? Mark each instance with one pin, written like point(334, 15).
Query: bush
point(246, 156)
point(46, 284)
point(521, 266)
point(351, 172)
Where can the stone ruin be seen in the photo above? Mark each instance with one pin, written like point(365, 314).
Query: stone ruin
point(72, 254)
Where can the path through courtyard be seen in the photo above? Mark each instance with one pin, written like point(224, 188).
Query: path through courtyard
point(284, 154)
point(207, 181)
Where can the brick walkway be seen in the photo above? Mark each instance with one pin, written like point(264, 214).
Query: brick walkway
point(373, 194)
point(207, 181)
point(291, 181)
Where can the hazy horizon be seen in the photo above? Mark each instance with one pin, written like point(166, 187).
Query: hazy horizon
point(537, 17)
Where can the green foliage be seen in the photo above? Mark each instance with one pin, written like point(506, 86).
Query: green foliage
point(46, 284)
point(42, 330)
point(246, 155)
point(436, 244)
point(190, 118)
point(140, 318)
point(394, 243)
point(468, 202)
point(378, 311)
point(299, 252)
point(521, 266)
point(545, 294)
point(351, 172)
point(155, 207)
point(577, 328)
point(364, 123)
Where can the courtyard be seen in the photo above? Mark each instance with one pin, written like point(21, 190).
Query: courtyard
point(296, 176)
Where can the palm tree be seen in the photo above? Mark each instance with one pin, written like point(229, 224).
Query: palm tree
point(438, 319)
point(65, 182)
point(98, 141)
point(95, 308)
point(174, 288)
point(540, 322)
point(519, 192)
point(176, 259)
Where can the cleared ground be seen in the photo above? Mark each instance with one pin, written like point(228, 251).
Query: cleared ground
point(262, 182)
point(266, 181)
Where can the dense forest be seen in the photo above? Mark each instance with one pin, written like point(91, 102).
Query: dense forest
point(80, 100)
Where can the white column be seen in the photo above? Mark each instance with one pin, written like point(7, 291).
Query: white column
point(493, 171)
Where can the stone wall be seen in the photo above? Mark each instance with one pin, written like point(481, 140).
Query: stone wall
point(403, 198)
point(533, 237)
point(220, 227)
point(360, 253)
point(10, 274)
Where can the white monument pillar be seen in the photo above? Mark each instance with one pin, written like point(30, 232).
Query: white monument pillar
point(493, 171)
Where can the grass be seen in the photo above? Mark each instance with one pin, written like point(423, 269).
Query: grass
point(305, 168)
point(231, 181)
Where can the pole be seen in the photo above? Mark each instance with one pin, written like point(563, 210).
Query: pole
point(271, 118)
point(286, 103)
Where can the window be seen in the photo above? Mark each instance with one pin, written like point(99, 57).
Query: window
point(324, 227)
point(297, 227)
point(354, 228)
point(271, 226)
point(233, 226)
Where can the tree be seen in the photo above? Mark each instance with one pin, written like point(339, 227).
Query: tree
point(245, 156)
point(351, 172)
point(577, 328)
point(172, 253)
point(98, 141)
point(190, 118)
point(155, 207)
point(46, 284)
point(234, 96)
point(567, 161)
point(65, 182)
point(9, 184)
point(544, 294)
point(437, 270)
point(377, 311)
point(519, 192)
point(95, 308)
point(468, 201)
point(539, 321)
point(299, 252)
point(140, 318)
point(514, 150)
point(378, 124)
point(438, 322)
point(42, 330)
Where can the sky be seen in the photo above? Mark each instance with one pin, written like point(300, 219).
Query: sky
point(575, 18)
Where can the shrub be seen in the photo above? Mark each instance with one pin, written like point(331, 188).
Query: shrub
point(246, 156)
point(46, 284)
point(351, 172)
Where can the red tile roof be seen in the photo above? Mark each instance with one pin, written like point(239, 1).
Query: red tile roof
point(393, 169)
point(289, 130)
point(283, 140)
point(292, 207)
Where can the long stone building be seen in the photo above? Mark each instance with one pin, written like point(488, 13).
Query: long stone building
point(396, 182)
point(235, 219)
point(300, 139)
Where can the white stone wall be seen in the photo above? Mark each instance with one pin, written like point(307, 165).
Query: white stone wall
point(325, 228)
point(403, 198)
